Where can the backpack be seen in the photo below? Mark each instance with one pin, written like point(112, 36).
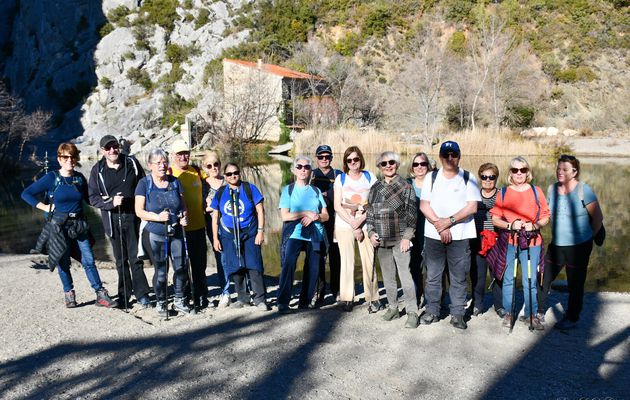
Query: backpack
point(435, 172)
point(171, 185)
point(246, 187)
point(292, 186)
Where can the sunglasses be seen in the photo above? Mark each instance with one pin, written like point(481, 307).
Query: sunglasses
point(235, 173)
point(66, 157)
point(215, 165)
point(420, 164)
point(523, 170)
point(325, 157)
point(307, 167)
point(111, 146)
point(488, 177)
point(386, 163)
point(353, 160)
point(450, 155)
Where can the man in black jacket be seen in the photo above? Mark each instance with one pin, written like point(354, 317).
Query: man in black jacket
point(111, 188)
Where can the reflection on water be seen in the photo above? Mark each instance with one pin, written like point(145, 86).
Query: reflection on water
point(609, 268)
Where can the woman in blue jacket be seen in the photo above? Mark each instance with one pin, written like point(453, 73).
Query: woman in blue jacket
point(67, 226)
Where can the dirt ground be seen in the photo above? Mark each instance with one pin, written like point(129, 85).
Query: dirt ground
point(48, 351)
point(604, 147)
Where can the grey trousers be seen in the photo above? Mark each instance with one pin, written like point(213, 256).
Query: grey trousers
point(392, 260)
point(457, 254)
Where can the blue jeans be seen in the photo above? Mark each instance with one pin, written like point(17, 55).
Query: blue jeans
point(224, 280)
point(508, 277)
point(87, 260)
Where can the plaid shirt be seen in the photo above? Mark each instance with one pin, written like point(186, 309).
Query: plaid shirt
point(391, 211)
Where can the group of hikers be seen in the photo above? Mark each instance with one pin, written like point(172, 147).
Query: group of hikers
point(429, 230)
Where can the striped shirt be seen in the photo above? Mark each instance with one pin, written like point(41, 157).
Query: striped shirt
point(483, 219)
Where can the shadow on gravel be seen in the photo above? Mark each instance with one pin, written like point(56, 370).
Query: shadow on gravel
point(235, 356)
point(588, 371)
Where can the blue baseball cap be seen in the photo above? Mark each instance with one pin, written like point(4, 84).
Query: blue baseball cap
point(449, 147)
point(324, 148)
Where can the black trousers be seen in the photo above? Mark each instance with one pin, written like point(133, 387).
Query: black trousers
point(127, 261)
point(197, 253)
point(478, 272)
point(576, 259)
point(256, 281)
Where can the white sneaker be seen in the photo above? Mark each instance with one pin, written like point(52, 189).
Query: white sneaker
point(224, 301)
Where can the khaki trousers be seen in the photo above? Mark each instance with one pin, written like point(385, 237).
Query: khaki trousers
point(345, 240)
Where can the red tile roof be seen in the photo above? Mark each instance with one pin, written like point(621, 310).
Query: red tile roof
point(274, 69)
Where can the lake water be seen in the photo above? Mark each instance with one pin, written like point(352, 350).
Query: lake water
point(609, 266)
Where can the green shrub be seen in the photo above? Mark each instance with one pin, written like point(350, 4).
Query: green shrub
point(457, 43)
point(177, 54)
point(348, 44)
point(106, 82)
point(174, 109)
point(376, 22)
point(520, 116)
point(118, 15)
point(161, 12)
point(213, 68)
point(188, 18)
point(172, 77)
point(140, 77)
point(202, 18)
point(129, 55)
point(576, 74)
point(556, 93)
point(188, 4)
point(458, 10)
point(106, 29)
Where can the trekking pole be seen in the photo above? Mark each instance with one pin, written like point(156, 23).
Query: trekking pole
point(190, 273)
point(167, 255)
point(236, 226)
point(122, 255)
point(516, 255)
point(529, 287)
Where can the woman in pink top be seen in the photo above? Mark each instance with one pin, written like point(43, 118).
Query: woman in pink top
point(522, 209)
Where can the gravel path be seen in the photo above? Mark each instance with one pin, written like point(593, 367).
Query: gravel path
point(48, 351)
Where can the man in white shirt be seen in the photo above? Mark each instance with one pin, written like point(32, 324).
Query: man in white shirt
point(448, 201)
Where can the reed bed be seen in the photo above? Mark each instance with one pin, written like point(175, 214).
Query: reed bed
point(481, 142)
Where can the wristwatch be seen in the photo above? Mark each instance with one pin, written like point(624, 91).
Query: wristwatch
point(453, 220)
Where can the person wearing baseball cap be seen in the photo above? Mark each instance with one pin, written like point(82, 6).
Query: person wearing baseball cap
point(111, 188)
point(323, 177)
point(448, 201)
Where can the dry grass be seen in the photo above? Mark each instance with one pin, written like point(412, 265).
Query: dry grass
point(481, 142)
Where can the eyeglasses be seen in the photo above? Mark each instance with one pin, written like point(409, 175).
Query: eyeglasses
point(523, 170)
point(66, 157)
point(449, 155)
point(420, 164)
point(305, 166)
point(215, 165)
point(183, 154)
point(160, 163)
point(111, 147)
point(353, 160)
point(384, 164)
point(325, 157)
point(235, 173)
point(488, 177)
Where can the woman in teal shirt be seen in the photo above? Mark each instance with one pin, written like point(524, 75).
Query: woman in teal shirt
point(575, 218)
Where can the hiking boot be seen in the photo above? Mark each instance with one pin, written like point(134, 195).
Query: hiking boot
point(412, 320)
point(240, 304)
point(536, 324)
point(540, 316)
point(390, 314)
point(507, 320)
point(103, 299)
point(144, 301)
point(203, 302)
point(160, 308)
point(70, 298)
point(224, 301)
point(181, 305)
point(458, 322)
point(347, 306)
point(283, 309)
point(476, 312)
point(374, 307)
point(262, 306)
point(428, 319)
point(565, 324)
point(500, 312)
